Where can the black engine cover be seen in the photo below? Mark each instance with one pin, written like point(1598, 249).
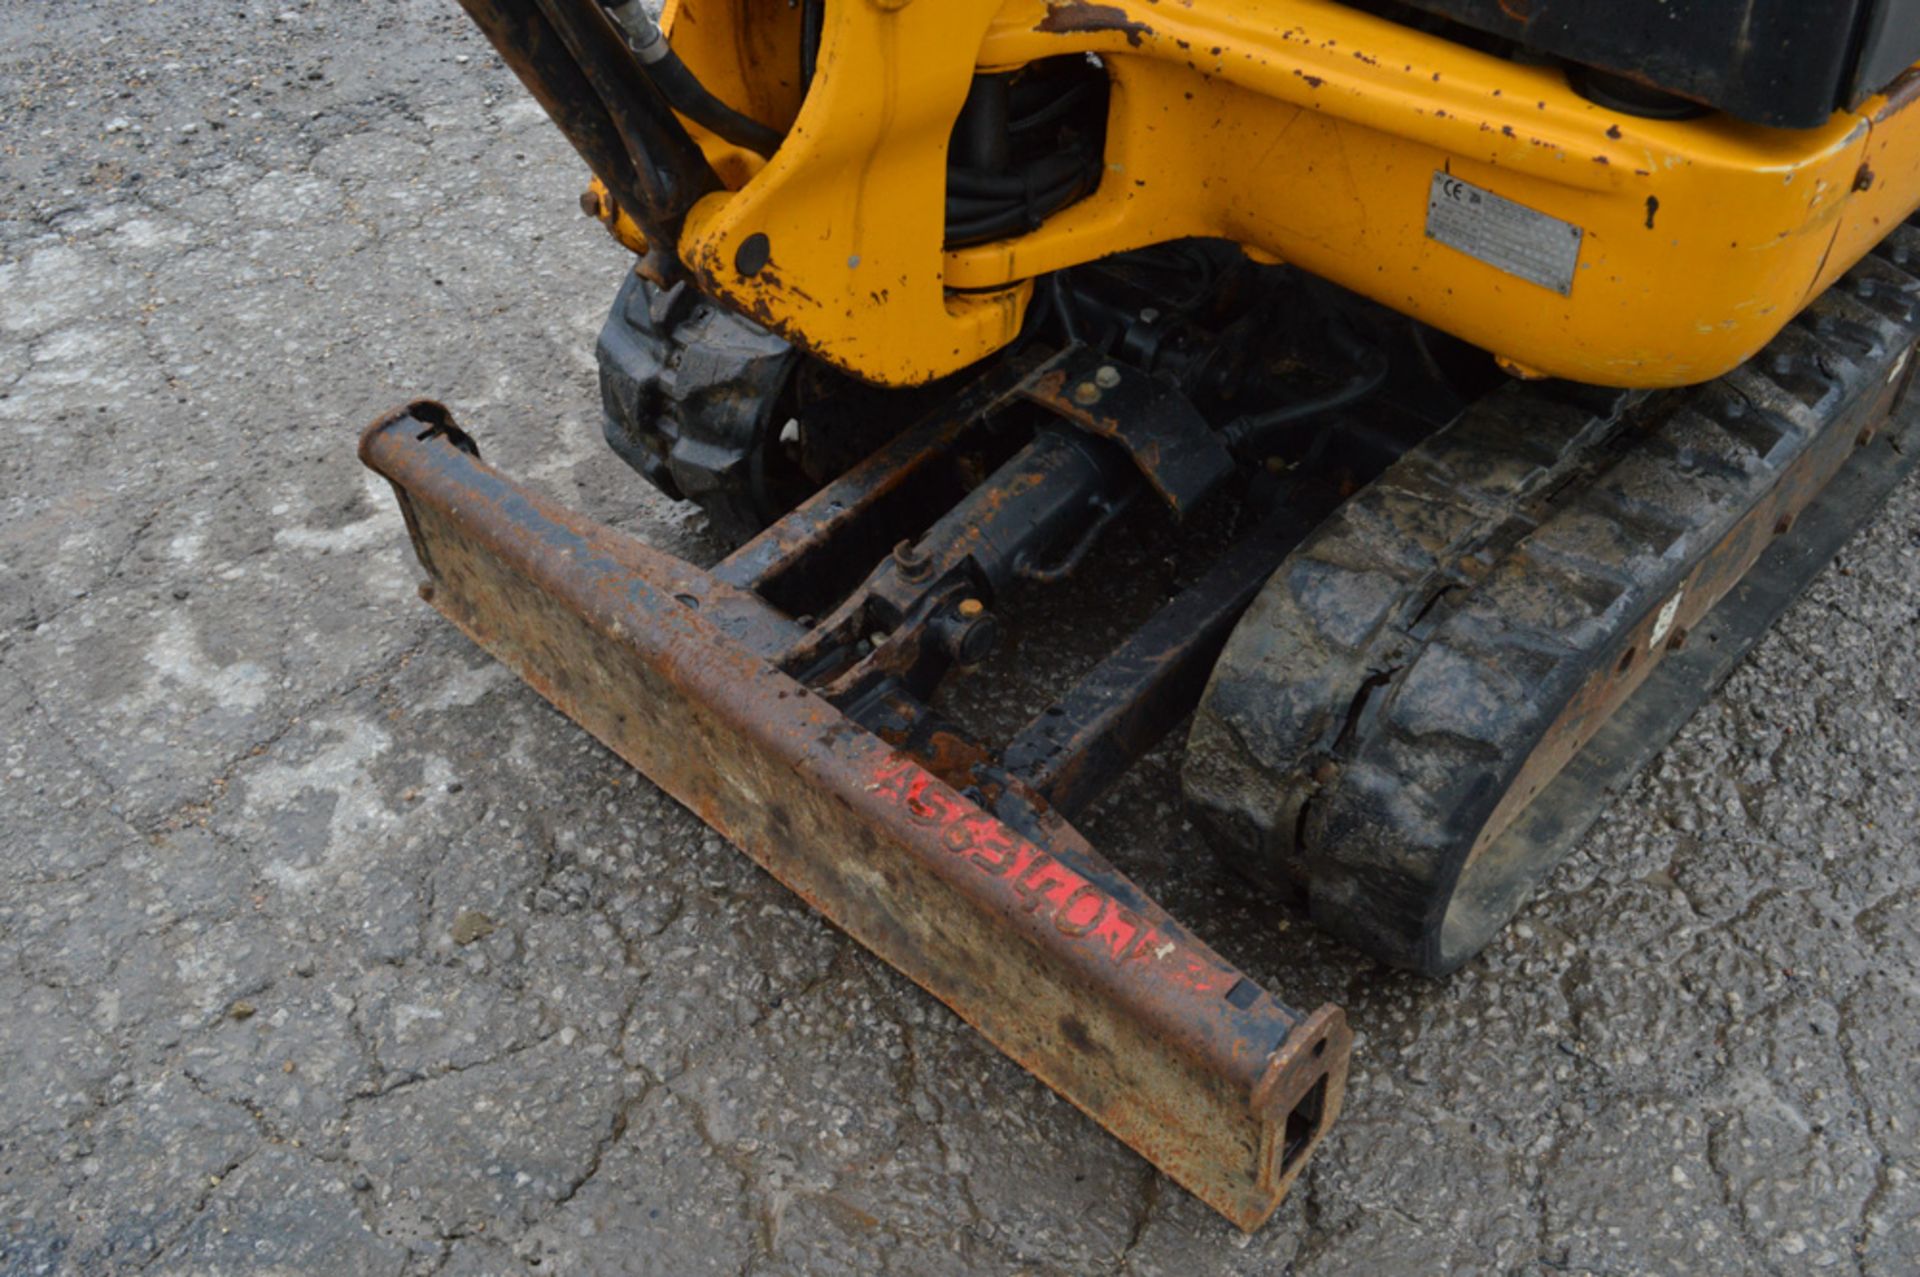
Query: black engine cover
point(1790, 63)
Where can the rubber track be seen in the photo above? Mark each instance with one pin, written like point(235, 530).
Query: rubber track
point(1395, 676)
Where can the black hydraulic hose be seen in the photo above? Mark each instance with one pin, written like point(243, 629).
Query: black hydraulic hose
point(1056, 110)
point(673, 173)
point(984, 205)
point(680, 87)
point(528, 43)
point(1019, 218)
point(812, 19)
point(1046, 172)
point(1057, 290)
point(964, 204)
point(1247, 434)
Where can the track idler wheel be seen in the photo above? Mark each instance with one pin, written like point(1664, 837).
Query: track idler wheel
point(712, 408)
point(1422, 667)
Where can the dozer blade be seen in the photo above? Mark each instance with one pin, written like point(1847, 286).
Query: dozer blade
point(1040, 944)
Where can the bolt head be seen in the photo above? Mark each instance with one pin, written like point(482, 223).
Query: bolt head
point(755, 251)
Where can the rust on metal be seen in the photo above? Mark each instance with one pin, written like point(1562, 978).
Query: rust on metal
point(1041, 944)
point(1176, 451)
point(797, 546)
point(1079, 745)
point(1901, 94)
point(1071, 17)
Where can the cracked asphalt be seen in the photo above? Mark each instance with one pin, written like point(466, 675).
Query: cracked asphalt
point(327, 947)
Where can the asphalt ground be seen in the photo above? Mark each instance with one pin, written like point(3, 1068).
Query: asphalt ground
point(325, 946)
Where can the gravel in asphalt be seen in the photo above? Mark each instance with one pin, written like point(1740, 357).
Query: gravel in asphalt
point(326, 946)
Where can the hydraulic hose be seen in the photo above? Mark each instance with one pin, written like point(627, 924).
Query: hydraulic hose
point(1247, 434)
point(812, 18)
point(984, 206)
point(682, 89)
point(528, 43)
point(559, 47)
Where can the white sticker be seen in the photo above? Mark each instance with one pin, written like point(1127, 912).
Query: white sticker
point(1540, 249)
point(1664, 622)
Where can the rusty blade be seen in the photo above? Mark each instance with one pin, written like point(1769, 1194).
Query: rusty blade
point(1051, 953)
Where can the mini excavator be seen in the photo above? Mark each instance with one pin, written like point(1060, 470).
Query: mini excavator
point(1500, 370)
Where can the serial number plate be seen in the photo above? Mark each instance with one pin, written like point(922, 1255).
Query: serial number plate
point(1508, 236)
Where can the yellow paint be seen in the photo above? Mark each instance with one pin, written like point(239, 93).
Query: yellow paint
point(598, 202)
point(853, 205)
point(1303, 130)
